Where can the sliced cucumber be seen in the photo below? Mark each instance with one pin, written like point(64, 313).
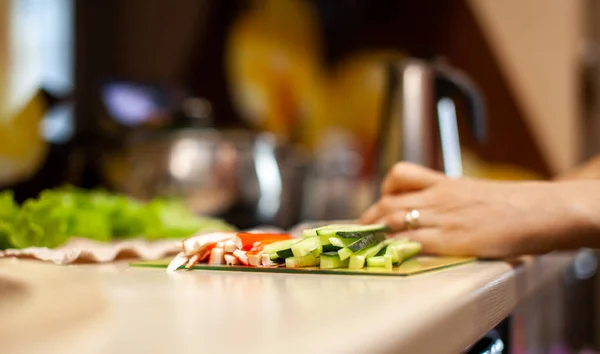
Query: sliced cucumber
point(398, 247)
point(324, 240)
point(306, 246)
point(366, 241)
point(305, 261)
point(382, 251)
point(392, 252)
point(408, 250)
point(352, 230)
point(342, 242)
point(331, 260)
point(362, 230)
point(356, 262)
point(371, 251)
point(286, 253)
point(315, 231)
point(345, 253)
point(280, 246)
point(330, 248)
point(360, 244)
point(380, 262)
point(309, 233)
point(317, 251)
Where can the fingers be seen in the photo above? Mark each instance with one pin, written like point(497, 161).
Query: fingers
point(390, 205)
point(406, 177)
point(396, 220)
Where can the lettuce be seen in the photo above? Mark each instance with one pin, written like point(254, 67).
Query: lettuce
point(58, 214)
point(8, 210)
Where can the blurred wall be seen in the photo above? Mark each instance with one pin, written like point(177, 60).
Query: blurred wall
point(537, 44)
point(156, 38)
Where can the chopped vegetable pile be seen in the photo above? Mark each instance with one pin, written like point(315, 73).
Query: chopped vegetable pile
point(58, 214)
point(328, 247)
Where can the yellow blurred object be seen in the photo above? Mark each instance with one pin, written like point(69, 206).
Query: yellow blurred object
point(477, 168)
point(273, 63)
point(280, 84)
point(22, 104)
point(22, 148)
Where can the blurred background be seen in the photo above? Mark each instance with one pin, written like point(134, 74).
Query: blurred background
point(278, 111)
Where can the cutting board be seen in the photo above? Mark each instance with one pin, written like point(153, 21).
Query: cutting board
point(413, 266)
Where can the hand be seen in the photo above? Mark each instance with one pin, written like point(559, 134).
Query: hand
point(470, 217)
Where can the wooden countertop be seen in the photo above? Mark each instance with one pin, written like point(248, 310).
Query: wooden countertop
point(116, 309)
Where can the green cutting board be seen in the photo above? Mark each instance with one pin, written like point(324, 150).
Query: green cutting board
point(413, 266)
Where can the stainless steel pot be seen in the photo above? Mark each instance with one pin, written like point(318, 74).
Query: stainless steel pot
point(247, 178)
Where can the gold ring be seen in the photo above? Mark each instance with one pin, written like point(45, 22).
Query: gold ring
point(411, 219)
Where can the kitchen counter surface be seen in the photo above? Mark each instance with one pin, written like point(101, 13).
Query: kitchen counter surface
point(116, 309)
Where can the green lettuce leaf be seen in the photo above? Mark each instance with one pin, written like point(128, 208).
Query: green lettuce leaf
point(58, 214)
point(171, 219)
point(41, 223)
point(8, 211)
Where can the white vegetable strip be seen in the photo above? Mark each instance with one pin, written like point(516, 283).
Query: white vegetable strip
point(216, 256)
point(230, 246)
point(231, 260)
point(266, 260)
point(254, 259)
point(195, 258)
point(179, 260)
point(238, 242)
point(241, 256)
point(197, 244)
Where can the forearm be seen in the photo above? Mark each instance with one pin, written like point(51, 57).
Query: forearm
point(580, 224)
point(589, 170)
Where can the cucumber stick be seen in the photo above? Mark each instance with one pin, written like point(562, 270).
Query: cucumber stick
point(380, 262)
point(401, 251)
point(392, 252)
point(286, 253)
point(305, 261)
point(408, 249)
point(363, 230)
point(317, 251)
point(342, 242)
point(331, 260)
point(334, 227)
point(356, 262)
point(305, 246)
point(360, 244)
point(280, 246)
point(330, 248)
point(366, 241)
point(345, 253)
point(353, 231)
point(360, 256)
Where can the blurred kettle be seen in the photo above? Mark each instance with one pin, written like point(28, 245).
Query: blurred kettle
point(419, 121)
point(418, 125)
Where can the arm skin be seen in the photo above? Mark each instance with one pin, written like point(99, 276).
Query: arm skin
point(581, 225)
point(489, 218)
point(589, 170)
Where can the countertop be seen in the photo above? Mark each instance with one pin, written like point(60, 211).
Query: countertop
point(113, 308)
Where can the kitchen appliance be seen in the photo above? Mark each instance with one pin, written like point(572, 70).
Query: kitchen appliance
point(419, 122)
point(418, 125)
point(247, 178)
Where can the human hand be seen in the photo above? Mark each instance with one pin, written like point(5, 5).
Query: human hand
point(475, 217)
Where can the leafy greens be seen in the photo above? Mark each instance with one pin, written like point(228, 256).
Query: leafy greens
point(58, 214)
